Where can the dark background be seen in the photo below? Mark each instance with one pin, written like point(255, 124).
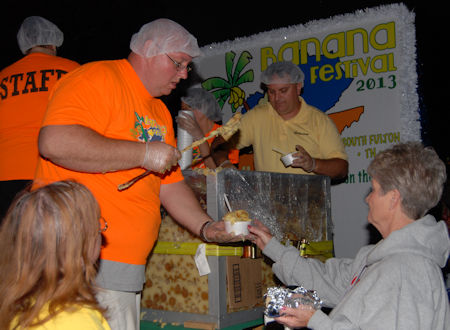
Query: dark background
point(97, 30)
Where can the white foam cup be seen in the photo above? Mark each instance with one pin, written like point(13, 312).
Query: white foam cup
point(238, 228)
point(184, 139)
point(288, 159)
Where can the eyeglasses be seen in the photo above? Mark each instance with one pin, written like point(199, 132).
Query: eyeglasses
point(104, 225)
point(179, 66)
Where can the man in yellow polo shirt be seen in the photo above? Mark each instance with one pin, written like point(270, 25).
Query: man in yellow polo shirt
point(287, 123)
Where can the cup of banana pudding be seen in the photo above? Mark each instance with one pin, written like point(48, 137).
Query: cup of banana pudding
point(237, 222)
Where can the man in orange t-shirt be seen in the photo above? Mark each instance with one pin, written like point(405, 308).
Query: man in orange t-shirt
point(24, 90)
point(104, 126)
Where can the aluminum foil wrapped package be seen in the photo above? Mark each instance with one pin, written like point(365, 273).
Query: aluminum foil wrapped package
point(278, 297)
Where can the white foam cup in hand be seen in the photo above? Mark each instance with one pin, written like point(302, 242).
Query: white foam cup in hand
point(238, 227)
point(184, 139)
point(288, 159)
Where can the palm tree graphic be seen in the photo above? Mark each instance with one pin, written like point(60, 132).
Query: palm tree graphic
point(228, 89)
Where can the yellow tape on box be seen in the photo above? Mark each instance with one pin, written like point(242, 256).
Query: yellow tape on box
point(190, 248)
point(322, 248)
point(307, 249)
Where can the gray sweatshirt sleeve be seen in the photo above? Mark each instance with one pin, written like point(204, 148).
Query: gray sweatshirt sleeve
point(329, 279)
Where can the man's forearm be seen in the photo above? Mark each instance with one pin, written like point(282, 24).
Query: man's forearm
point(182, 204)
point(336, 168)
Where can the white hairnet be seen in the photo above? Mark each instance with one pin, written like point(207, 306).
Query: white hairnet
point(166, 36)
point(205, 102)
point(37, 31)
point(282, 73)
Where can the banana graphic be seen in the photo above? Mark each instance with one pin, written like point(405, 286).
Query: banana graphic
point(237, 96)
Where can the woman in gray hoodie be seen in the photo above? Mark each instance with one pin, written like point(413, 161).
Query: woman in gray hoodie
point(395, 284)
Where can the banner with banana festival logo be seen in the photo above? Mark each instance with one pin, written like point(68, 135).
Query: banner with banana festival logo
point(360, 69)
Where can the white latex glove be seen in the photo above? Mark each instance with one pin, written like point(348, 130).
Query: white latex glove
point(190, 125)
point(216, 232)
point(160, 157)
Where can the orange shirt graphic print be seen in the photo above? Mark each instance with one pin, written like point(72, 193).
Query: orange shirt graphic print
point(148, 130)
